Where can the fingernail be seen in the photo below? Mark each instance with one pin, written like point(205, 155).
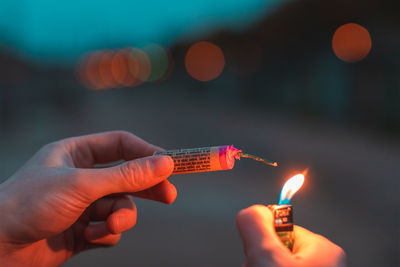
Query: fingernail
point(162, 165)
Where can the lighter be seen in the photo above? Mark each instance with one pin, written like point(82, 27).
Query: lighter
point(283, 212)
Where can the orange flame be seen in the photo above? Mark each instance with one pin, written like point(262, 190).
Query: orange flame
point(290, 188)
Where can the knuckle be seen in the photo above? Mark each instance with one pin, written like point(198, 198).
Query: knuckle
point(121, 221)
point(123, 133)
point(53, 149)
point(50, 146)
point(134, 174)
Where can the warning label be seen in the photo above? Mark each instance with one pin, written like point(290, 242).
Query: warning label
point(194, 160)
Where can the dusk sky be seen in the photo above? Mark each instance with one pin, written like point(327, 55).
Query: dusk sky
point(63, 30)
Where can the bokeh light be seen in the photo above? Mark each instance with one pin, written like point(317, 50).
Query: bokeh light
point(120, 70)
point(139, 65)
point(159, 61)
point(204, 61)
point(105, 70)
point(351, 42)
point(128, 67)
point(92, 71)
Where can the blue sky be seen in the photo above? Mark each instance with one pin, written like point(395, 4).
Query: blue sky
point(63, 30)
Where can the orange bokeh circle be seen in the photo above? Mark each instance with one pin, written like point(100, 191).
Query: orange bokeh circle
point(351, 42)
point(92, 71)
point(204, 61)
point(120, 68)
point(105, 70)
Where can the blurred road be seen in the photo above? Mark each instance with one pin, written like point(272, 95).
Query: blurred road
point(351, 194)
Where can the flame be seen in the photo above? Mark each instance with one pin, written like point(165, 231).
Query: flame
point(290, 188)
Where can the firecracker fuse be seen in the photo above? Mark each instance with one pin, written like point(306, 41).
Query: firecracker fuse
point(207, 159)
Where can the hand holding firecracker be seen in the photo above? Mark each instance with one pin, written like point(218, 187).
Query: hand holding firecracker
point(58, 204)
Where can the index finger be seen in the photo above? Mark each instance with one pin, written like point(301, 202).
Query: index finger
point(107, 147)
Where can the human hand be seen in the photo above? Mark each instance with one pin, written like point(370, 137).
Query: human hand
point(263, 247)
point(48, 206)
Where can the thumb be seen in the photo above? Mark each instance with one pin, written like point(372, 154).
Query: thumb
point(261, 244)
point(131, 176)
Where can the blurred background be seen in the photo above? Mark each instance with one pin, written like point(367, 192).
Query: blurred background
point(308, 83)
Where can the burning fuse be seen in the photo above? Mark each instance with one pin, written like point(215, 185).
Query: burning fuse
point(208, 159)
point(283, 212)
